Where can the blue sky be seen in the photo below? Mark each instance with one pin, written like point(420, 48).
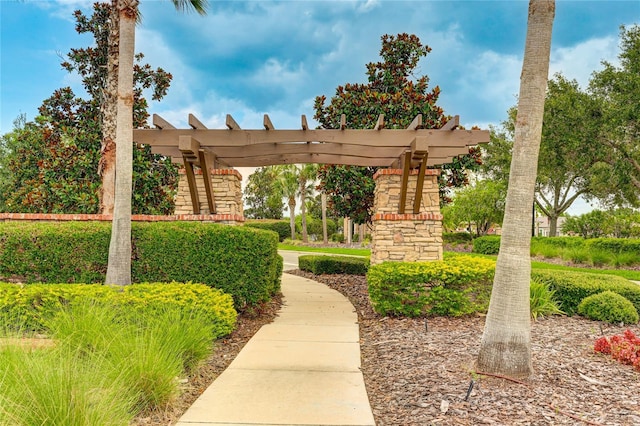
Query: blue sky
point(256, 57)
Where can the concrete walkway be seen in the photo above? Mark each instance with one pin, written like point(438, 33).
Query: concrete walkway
point(302, 369)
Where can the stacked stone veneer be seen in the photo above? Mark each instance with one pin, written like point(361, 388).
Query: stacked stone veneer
point(227, 194)
point(406, 237)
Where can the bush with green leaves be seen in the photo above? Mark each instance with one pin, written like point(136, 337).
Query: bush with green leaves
point(280, 227)
point(31, 307)
point(241, 261)
point(610, 307)
point(457, 237)
point(317, 264)
point(489, 244)
point(572, 287)
point(456, 286)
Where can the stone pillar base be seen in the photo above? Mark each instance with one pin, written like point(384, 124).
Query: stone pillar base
point(406, 237)
point(227, 194)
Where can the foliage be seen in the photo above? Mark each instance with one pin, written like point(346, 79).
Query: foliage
point(619, 223)
point(457, 237)
point(262, 195)
point(616, 89)
point(481, 204)
point(33, 306)
point(391, 91)
point(572, 287)
point(489, 244)
point(241, 261)
point(314, 226)
point(542, 300)
point(53, 163)
point(405, 289)
point(280, 227)
point(333, 264)
point(569, 163)
point(624, 348)
point(608, 306)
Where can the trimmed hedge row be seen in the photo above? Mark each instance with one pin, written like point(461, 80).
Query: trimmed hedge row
point(241, 261)
point(456, 286)
point(489, 244)
point(572, 287)
point(317, 264)
point(457, 237)
point(31, 307)
point(280, 227)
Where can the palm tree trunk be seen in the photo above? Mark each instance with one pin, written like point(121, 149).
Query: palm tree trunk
point(506, 342)
point(119, 266)
point(323, 201)
point(303, 207)
point(108, 109)
point(292, 217)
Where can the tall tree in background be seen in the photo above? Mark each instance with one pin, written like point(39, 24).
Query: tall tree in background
point(119, 263)
point(289, 186)
point(618, 91)
point(569, 164)
point(506, 342)
point(392, 90)
point(307, 174)
point(65, 176)
point(262, 194)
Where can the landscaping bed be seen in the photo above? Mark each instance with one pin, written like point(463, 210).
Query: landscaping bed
point(409, 371)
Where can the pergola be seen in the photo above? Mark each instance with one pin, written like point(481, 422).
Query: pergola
point(408, 149)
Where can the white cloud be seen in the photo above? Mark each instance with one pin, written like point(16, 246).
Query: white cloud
point(580, 61)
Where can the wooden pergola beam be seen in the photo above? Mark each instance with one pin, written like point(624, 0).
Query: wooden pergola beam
point(187, 146)
point(206, 164)
point(343, 121)
point(416, 123)
point(195, 123)
point(266, 121)
point(452, 124)
point(231, 123)
point(161, 123)
point(406, 169)
point(417, 200)
point(305, 125)
point(379, 123)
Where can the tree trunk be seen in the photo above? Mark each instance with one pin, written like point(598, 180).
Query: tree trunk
point(108, 109)
point(119, 266)
point(323, 201)
point(303, 208)
point(506, 342)
point(553, 226)
point(292, 218)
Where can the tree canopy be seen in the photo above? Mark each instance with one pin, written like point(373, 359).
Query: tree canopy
point(53, 162)
point(392, 90)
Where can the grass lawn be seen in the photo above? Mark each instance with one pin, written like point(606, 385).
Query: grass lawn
point(625, 273)
point(330, 250)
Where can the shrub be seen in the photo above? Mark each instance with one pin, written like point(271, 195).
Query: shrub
point(576, 254)
point(489, 244)
point(333, 264)
point(608, 306)
point(241, 261)
point(33, 306)
point(615, 245)
point(337, 238)
point(600, 257)
point(404, 288)
point(280, 227)
point(542, 300)
point(560, 242)
point(456, 237)
point(571, 287)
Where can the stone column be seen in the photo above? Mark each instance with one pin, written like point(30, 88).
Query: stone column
point(406, 237)
point(227, 194)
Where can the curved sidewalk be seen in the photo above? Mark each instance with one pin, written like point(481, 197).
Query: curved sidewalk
point(302, 369)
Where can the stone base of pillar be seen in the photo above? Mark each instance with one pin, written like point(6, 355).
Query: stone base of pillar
point(406, 237)
point(227, 194)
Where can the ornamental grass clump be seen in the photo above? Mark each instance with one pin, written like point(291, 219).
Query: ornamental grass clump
point(624, 348)
point(542, 300)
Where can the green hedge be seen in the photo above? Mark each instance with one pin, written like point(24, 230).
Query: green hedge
point(560, 242)
point(489, 244)
point(280, 227)
point(610, 307)
point(572, 287)
point(241, 261)
point(456, 237)
point(31, 307)
point(615, 245)
point(333, 264)
point(456, 286)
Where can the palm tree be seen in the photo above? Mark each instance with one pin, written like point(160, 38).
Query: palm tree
point(119, 264)
point(288, 186)
point(506, 342)
point(306, 174)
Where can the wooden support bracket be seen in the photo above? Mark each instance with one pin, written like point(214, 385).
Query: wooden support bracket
point(305, 125)
point(195, 123)
point(268, 125)
point(188, 143)
point(380, 123)
point(420, 184)
point(231, 123)
point(161, 123)
point(207, 161)
point(452, 124)
point(343, 122)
